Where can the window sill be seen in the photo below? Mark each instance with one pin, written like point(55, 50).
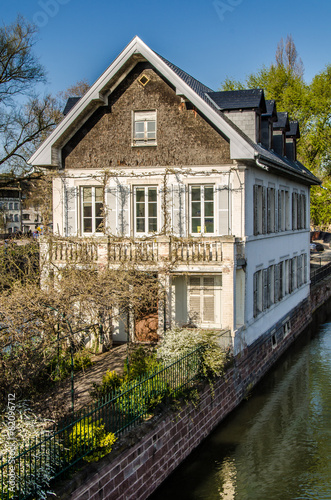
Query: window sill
point(147, 144)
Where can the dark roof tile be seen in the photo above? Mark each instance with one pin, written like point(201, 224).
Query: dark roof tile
point(239, 99)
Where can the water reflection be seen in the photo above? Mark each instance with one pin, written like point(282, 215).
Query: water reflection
point(276, 445)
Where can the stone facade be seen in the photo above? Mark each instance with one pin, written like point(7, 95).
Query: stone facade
point(183, 136)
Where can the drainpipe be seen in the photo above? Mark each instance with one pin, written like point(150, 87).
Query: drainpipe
point(259, 164)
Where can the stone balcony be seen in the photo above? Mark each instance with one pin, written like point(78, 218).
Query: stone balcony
point(151, 252)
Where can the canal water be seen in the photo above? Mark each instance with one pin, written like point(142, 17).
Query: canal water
point(277, 444)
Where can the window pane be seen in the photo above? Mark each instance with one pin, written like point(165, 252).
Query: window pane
point(196, 194)
point(99, 194)
point(140, 210)
point(151, 126)
point(209, 208)
point(152, 210)
point(87, 194)
point(209, 225)
point(209, 193)
point(151, 194)
point(98, 224)
point(196, 209)
point(196, 226)
point(98, 209)
point(152, 225)
point(139, 130)
point(88, 210)
point(140, 194)
point(87, 225)
point(140, 225)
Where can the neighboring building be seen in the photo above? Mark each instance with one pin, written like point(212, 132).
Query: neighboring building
point(201, 187)
point(10, 210)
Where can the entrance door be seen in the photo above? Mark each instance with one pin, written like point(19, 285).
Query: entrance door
point(146, 323)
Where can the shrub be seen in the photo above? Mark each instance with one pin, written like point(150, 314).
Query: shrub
point(139, 397)
point(35, 472)
point(179, 342)
point(88, 435)
point(60, 366)
point(110, 382)
point(142, 362)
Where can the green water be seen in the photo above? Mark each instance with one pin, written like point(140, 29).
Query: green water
point(277, 444)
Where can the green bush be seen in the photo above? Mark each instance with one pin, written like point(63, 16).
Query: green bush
point(88, 435)
point(60, 366)
point(142, 362)
point(110, 383)
point(138, 398)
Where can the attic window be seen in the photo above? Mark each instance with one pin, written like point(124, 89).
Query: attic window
point(144, 128)
point(143, 80)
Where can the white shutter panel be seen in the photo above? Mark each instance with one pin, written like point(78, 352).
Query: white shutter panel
point(264, 210)
point(123, 210)
point(265, 289)
point(195, 315)
point(111, 209)
point(178, 210)
point(208, 300)
point(255, 203)
point(71, 211)
point(224, 210)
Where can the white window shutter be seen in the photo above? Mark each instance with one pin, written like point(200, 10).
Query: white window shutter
point(178, 210)
point(195, 315)
point(71, 211)
point(111, 218)
point(224, 204)
point(208, 300)
point(123, 210)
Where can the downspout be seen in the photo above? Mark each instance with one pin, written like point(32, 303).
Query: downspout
point(259, 164)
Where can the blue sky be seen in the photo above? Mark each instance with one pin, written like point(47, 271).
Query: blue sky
point(79, 38)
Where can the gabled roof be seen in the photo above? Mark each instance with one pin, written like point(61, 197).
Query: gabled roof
point(239, 99)
point(294, 130)
point(271, 112)
point(201, 96)
point(282, 122)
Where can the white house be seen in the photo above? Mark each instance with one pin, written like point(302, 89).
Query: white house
point(202, 188)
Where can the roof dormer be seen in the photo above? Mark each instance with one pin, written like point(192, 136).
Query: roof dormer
point(244, 108)
point(267, 121)
point(280, 127)
point(291, 141)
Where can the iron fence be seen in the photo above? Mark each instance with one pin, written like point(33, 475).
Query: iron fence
point(320, 273)
point(86, 433)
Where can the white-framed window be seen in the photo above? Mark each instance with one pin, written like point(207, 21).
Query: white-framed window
point(144, 128)
point(92, 198)
point(145, 209)
point(16, 206)
point(202, 209)
point(271, 210)
point(203, 299)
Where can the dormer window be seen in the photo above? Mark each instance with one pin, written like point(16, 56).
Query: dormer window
point(144, 128)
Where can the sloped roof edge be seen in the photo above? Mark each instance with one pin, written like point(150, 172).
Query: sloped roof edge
point(239, 147)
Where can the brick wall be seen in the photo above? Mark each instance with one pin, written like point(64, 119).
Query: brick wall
point(160, 445)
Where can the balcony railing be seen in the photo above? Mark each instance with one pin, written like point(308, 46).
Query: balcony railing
point(152, 251)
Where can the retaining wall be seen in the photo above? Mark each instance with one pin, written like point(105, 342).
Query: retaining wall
point(135, 470)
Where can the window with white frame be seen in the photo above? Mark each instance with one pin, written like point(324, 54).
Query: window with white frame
point(144, 128)
point(202, 212)
point(92, 209)
point(203, 299)
point(145, 209)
